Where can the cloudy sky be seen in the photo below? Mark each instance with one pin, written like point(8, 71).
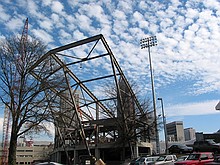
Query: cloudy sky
point(186, 60)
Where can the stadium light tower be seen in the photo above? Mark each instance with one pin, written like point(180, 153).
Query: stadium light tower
point(148, 43)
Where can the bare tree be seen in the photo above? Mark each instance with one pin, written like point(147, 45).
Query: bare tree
point(133, 125)
point(24, 96)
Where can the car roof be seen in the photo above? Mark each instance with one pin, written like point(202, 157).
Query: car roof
point(48, 163)
point(202, 153)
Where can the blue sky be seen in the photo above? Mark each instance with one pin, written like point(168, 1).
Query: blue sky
point(186, 61)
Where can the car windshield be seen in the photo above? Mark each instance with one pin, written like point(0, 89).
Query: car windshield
point(193, 157)
point(182, 146)
point(161, 158)
point(151, 158)
point(136, 159)
point(217, 159)
point(211, 141)
point(142, 159)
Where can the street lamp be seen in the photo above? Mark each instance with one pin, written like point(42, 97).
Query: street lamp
point(164, 125)
point(147, 43)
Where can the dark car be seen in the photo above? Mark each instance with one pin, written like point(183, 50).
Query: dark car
point(215, 161)
point(206, 146)
point(180, 148)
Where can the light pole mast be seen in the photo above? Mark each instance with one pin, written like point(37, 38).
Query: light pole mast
point(147, 43)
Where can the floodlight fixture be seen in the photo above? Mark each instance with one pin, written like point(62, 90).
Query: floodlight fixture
point(148, 42)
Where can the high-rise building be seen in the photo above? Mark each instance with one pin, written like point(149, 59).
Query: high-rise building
point(69, 117)
point(127, 108)
point(175, 131)
point(189, 133)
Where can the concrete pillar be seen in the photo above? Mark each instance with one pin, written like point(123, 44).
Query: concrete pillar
point(59, 156)
point(76, 156)
point(97, 153)
point(136, 154)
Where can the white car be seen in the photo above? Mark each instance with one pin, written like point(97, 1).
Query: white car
point(147, 160)
point(166, 159)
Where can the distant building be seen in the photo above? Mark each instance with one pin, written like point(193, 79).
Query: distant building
point(189, 134)
point(175, 131)
point(171, 138)
point(208, 136)
point(30, 151)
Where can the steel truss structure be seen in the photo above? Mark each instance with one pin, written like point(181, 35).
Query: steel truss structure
point(90, 91)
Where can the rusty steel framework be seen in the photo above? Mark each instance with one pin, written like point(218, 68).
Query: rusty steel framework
point(76, 75)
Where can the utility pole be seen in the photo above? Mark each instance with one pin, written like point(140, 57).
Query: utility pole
point(147, 43)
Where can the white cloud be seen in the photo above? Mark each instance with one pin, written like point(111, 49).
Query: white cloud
point(188, 34)
point(125, 6)
point(119, 15)
point(14, 24)
point(33, 9)
point(65, 37)
point(4, 15)
point(42, 35)
point(84, 22)
point(46, 24)
point(197, 108)
point(46, 2)
point(57, 7)
point(58, 21)
point(78, 35)
point(214, 4)
point(192, 13)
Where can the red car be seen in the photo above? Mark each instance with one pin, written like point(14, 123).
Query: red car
point(197, 158)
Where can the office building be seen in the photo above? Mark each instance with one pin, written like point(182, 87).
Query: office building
point(175, 131)
point(30, 152)
point(189, 133)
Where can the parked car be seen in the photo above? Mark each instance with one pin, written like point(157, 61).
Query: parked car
point(48, 163)
point(198, 158)
point(135, 161)
point(148, 160)
point(166, 159)
point(179, 149)
point(206, 146)
point(216, 161)
point(143, 160)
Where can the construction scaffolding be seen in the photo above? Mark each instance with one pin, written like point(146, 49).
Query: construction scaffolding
point(86, 116)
